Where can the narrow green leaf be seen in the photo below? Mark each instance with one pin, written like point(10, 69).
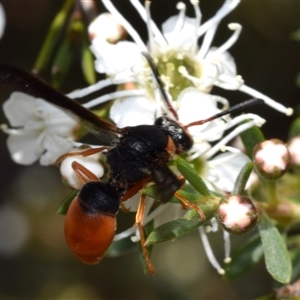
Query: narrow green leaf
point(244, 259)
point(182, 226)
point(192, 177)
point(241, 180)
point(87, 64)
point(66, 51)
point(55, 29)
point(64, 206)
point(62, 63)
point(277, 258)
point(295, 256)
point(295, 35)
point(187, 191)
point(295, 128)
point(251, 137)
point(298, 80)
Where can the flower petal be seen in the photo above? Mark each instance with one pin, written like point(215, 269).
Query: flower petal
point(184, 37)
point(114, 58)
point(133, 111)
point(19, 109)
point(224, 169)
point(25, 149)
point(2, 20)
point(55, 146)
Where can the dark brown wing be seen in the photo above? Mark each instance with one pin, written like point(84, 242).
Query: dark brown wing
point(17, 80)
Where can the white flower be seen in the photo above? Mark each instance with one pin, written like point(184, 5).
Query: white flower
point(223, 169)
point(294, 149)
point(90, 162)
point(107, 27)
point(175, 49)
point(2, 20)
point(40, 131)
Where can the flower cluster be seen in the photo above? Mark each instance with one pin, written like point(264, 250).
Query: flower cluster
point(188, 72)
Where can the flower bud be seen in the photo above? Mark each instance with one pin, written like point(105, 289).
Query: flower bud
point(294, 149)
point(106, 27)
point(237, 214)
point(271, 159)
point(90, 162)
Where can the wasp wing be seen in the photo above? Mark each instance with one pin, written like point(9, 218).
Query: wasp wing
point(32, 85)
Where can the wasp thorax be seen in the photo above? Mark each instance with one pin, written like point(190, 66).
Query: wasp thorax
point(181, 137)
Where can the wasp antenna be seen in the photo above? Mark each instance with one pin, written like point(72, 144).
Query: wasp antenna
point(235, 108)
point(159, 83)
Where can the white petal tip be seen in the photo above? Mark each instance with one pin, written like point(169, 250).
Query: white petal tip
point(135, 239)
point(3, 127)
point(221, 271)
point(227, 260)
point(234, 26)
point(261, 122)
point(289, 111)
point(180, 6)
point(222, 148)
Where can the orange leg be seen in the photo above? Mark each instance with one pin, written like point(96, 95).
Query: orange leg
point(84, 153)
point(139, 222)
point(83, 173)
point(134, 189)
point(187, 203)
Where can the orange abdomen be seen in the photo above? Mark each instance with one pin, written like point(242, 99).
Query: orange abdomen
point(88, 234)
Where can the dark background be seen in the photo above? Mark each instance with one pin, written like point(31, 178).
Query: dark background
point(34, 260)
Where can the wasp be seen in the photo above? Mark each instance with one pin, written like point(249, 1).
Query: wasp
point(135, 156)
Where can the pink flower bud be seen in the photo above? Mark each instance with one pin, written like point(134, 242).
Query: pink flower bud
point(237, 214)
point(271, 159)
point(294, 149)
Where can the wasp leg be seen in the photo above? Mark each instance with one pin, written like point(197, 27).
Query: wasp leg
point(139, 222)
point(84, 153)
point(187, 203)
point(83, 173)
point(134, 189)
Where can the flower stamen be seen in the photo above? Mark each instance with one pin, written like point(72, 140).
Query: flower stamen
point(128, 27)
point(209, 253)
point(276, 105)
point(179, 24)
point(255, 122)
point(152, 26)
point(237, 28)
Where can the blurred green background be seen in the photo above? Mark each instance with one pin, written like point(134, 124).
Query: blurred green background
point(35, 262)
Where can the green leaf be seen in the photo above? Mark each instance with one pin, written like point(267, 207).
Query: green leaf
point(277, 258)
point(251, 137)
point(295, 256)
point(187, 191)
point(87, 64)
point(295, 128)
point(53, 34)
point(192, 177)
point(64, 206)
point(244, 259)
point(295, 35)
point(176, 228)
point(66, 51)
point(62, 63)
point(298, 80)
point(241, 180)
